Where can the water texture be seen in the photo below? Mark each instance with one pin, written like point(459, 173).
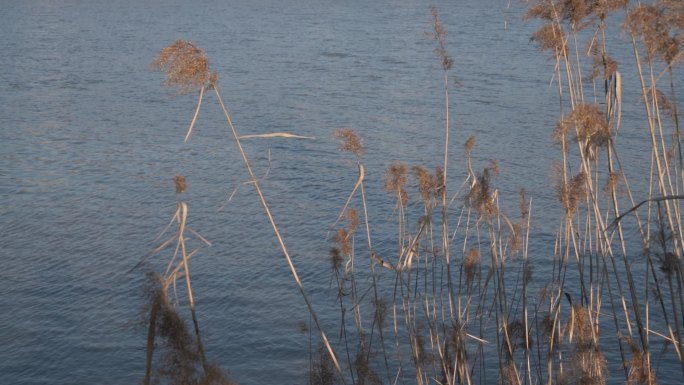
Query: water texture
point(91, 139)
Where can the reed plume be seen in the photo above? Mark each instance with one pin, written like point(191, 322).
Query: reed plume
point(186, 66)
point(350, 141)
point(181, 184)
point(396, 177)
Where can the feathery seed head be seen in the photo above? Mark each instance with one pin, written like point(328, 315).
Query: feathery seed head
point(480, 197)
point(639, 370)
point(571, 193)
point(612, 182)
point(186, 66)
point(181, 184)
point(469, 145)
point(353, 219)
point(427, 183)
point(660, 28)
point(342, 240)
point(550, 37)
point(395, 182)
point(440, 36)
point(349, 141)
point(590, 127)
point(470, 265)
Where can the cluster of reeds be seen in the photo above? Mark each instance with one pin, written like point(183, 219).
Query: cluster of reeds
point(432, 309)
point(187, 69)
point(605, 234)
point(455, 301)
point(457, 291)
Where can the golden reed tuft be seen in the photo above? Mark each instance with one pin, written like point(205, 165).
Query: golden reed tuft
point(428, 184)
point(440, 36)
point(395, 181)
point(480, 197)
point(660, 29)
point(590, 127)
point(186, 66)
point(550, 38)
point(571, 193)
point(349, 141)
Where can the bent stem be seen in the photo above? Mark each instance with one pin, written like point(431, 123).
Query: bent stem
point(281, 242)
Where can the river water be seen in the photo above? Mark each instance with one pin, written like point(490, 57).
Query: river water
point(91, 140)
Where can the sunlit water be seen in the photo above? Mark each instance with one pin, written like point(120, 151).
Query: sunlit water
point(91, 139)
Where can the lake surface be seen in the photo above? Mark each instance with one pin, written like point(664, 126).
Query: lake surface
point(91, 140)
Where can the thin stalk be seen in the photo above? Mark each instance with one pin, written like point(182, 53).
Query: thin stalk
point(281, 242)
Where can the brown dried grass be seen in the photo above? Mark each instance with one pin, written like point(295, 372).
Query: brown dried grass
point(396, 177)
point(186, 66)
point(350, 141)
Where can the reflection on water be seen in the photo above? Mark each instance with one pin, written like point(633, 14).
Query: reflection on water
point(91, 141)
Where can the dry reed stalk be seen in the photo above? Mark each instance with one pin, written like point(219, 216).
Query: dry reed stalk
point(447, 63)
point(180, 216)
point(186, 67)
point(276, 230)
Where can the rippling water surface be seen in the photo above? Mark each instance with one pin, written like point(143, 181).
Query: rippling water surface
point(90, 140)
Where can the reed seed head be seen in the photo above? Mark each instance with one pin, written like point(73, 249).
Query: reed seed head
point(480, 197)
point(588, 367)
point(469, 145)
point(440, 36)
point(428, 184)
point(576, 12)
point(590, 126)
point(571, 193)
point(602, 8)
point(353, 219)
point(640, 373)
point(581, 325)
point(349, 141)
point(660, 28)
point(396, 177)
point(604, 66)
point(543, 10)
point(659, 99)
point(186, 66)
point(550, 37)
point(509, 375)
point(613, 182)
point(588, 364)
point(470, 265)
point(181, 184)
point(342, 240)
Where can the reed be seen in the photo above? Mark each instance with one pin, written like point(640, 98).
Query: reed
point(456, 300)
point(183, 359)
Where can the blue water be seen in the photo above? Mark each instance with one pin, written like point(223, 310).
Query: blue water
point(91, 139)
